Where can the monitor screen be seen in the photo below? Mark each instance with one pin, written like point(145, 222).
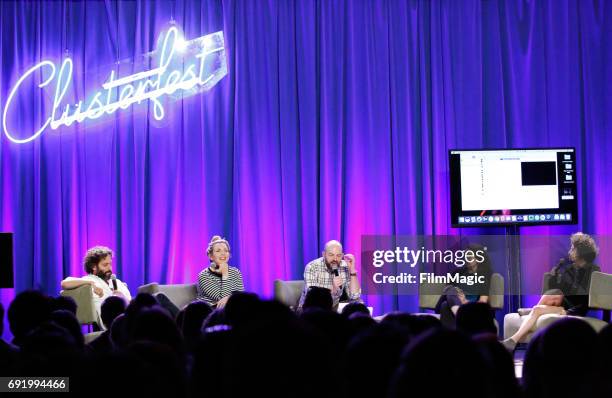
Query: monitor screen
point(496, 187)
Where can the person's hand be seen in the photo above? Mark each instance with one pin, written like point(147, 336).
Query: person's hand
point(221, 269)
point(556, 270)
point(461, 297)
point(221, 303)
point(97, 290)
point(337, 282)
point(224, 270)
point(350, 261)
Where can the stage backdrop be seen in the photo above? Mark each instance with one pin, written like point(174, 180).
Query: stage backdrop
point(334, 121)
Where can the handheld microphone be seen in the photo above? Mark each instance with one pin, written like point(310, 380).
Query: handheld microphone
point(114, 279)
point(336, 273)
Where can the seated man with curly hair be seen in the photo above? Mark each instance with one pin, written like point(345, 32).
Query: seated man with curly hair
point(570, 285)
point(98, 265)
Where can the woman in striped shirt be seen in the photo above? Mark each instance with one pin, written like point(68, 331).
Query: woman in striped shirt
point(218, 281)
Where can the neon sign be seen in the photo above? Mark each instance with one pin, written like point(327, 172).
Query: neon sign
point(185, 68)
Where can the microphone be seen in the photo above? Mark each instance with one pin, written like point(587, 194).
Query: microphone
point(336, 273)
point(114, 279)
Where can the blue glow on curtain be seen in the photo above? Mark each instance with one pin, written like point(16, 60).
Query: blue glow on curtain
point(334, 121)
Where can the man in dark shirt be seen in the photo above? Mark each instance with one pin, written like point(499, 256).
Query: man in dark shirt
point(574, 281)
point(570, 287)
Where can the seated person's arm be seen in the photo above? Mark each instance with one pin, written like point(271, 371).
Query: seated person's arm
point(354, 293)
point(73, 283)
point(556, 277)
point(354, 284)
point(240, 287)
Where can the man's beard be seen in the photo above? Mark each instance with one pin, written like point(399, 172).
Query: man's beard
point(104, 275)
point(333, 264)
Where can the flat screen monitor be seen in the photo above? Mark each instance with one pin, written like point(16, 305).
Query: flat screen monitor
point(504, 187)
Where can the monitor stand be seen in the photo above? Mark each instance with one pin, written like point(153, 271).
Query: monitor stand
point(513, 269)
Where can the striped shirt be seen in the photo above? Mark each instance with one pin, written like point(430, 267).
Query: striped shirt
point(318, 274)
point(212, 287)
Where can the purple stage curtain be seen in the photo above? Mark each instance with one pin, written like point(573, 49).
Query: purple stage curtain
point(333, 122)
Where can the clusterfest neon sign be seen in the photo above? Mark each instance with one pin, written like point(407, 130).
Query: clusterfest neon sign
point(185, 68)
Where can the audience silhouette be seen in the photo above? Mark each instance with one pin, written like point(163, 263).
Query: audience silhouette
point(258, 347)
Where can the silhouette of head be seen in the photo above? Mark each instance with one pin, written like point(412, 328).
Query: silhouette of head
point(318, 297)
point(112, 307)
point(475, 318)
point(28, 310)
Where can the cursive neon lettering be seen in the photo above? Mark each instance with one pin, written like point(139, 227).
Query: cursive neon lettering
point(192, 73)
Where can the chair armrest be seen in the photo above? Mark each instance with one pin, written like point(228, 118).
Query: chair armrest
point(547, 280)
point(179, 294)
point(524, 311)
point(150, 288)
point(80, 292)
point(429, 294)
point(600, 291)
point(496, 292)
